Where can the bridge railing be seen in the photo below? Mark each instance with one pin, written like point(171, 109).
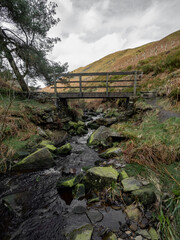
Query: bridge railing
point(81, 84)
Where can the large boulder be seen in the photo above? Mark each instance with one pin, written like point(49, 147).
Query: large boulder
point(41, 159)
point(99, 177)
point(104, 136)
point(111, 152)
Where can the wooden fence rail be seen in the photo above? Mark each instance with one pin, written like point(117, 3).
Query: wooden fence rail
point(133, 83)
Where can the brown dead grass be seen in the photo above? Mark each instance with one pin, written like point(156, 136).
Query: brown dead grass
point(150, 156)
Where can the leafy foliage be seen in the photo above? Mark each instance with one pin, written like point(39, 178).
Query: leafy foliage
point(24, 41)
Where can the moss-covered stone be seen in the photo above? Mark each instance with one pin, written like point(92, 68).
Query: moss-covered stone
point(82, 233)
point(123, 175)
point(65, 149)
point(111, 152)
point(79, 191)
point(110, 236)
point(145, 195)
point(99, 177)
point(41, 159)
point(48, 144)
point(69, 183)
point(81, 131)
point(133, 213)
point(153, 234)
point(130, 184)
point(103, 136)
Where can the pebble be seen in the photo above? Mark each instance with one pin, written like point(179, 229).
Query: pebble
point(128, 233)
point(133, 227)
point(139, 238)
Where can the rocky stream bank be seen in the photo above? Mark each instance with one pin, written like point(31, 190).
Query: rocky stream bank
point(74, 186)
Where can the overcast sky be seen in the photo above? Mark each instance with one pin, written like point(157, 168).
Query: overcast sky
point(92, 29)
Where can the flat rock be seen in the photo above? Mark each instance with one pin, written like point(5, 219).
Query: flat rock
point(94, 215)
point(144, 233)
point(82, 233)
point(130, 184)
point(101, 176)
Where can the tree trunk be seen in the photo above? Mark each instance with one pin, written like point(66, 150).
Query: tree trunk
point(12, 63)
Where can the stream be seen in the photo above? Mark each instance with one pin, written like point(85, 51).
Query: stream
point(31, 207)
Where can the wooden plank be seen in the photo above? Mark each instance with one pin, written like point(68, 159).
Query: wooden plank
point(55, 91)
point(98, 74)
point(103, 81)
point(135, 83)
point(107, 76)
point(95, 95)
point(80, 86)
point(95, 87)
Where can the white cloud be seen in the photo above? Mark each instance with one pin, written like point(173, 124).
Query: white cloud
point(92, 29)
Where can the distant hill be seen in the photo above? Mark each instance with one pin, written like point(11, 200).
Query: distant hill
point(153, 59)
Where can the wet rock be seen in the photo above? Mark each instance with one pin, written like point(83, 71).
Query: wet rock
point(110, 236)
point(69, 183)
point(78, 207)
point(99, 177)
point(49, 145)
point(144, 233)
point(79, 191)
point(41, 159)
point(111, 152)
point(94, 216)
point(103, 136)
point(153, 234)
point(145, 195)
point(81, 131)
point(65, 149)
point(92, 125)
point(82, 233)
point(130, 184)
point(133, 213)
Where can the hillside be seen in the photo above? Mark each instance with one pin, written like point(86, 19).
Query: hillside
point(157, 60)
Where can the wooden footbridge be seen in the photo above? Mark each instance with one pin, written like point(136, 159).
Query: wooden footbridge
point(110, 85)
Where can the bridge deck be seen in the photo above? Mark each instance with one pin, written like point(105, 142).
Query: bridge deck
point(95, 95)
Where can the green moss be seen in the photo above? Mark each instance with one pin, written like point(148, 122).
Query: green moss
point(111, 152)
point(65, 149)
point(49, 145)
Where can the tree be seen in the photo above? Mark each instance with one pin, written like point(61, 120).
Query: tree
point(24, 43)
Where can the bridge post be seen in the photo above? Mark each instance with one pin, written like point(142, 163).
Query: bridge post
point(55, 90)
point(135, 83)
point(107, 85)
point(80, 85)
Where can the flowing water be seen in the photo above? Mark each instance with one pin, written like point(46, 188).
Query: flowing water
point(31, 207)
